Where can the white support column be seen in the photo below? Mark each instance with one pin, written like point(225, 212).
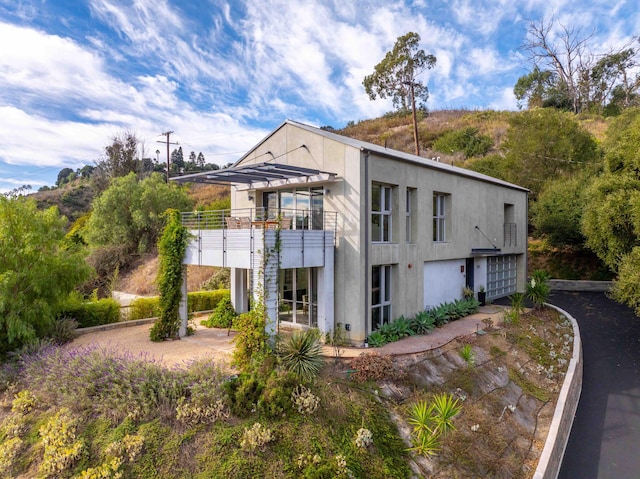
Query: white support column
point(239, 290)
point(326, 297)
point(183, 311)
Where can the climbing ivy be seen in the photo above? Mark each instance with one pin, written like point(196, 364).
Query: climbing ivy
point(171, 249)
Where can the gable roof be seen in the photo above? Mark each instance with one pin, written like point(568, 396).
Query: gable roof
point(387, 152)
point(264, 172)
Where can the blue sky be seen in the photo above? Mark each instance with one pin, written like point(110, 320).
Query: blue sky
point(222, 74)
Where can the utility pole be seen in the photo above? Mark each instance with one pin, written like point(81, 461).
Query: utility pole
point(167, 134)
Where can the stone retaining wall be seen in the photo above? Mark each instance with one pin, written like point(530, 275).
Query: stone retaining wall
point(553, 452)
point(571, 285)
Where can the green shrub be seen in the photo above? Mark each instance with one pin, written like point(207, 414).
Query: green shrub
point(142, 308)
point(206, 300)
point(467, 140)
point(90, 313)
point(243, 393)
point(300, 353)
point(223, 316)
point(251, 341)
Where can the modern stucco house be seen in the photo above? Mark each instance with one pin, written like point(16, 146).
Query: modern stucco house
point(338, 233)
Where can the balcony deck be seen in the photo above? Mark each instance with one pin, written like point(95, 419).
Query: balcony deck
point(240, 238)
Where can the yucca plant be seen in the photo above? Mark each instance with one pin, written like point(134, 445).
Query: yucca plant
point(300, 354)
point(420, 417)
point(444, 408)
point(426, 444)
point(467, 354)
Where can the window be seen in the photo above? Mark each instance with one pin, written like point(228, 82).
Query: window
point(409, 214)
point(380, 296)
point(440, 217)
point(380, 214)
point(510, 228)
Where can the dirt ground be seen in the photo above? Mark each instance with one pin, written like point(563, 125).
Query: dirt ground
point(207, 342)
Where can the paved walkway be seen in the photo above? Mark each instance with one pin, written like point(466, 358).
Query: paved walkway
point(435, 339)
point(212, 342)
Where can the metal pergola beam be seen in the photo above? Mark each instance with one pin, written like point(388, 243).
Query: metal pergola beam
point(251, 174)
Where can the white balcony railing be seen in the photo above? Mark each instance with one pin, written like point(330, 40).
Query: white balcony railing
point(262, 218)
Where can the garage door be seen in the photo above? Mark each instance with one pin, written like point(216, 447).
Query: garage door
point(501, 276)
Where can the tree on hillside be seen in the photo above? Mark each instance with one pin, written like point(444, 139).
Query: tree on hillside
point(546, 144)
point(120, 159)
point(568, 74)
point(64, 176)
point(38, 269)
point(130, 212)
point(396, 76)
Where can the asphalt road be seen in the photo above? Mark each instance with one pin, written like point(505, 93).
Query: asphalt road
point(605, 438)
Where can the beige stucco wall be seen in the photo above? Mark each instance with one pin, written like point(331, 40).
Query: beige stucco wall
point(472, 203)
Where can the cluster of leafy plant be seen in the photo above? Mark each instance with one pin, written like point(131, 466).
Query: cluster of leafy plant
point(223, 315)
point(38, 270)
point(423, 322)
point(171, 249)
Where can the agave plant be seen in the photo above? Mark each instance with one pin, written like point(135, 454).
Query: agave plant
point(402, 327)
point(300, 354)
point(420, 417)
point(423, 322)
point(376, 339)
point(440, 316)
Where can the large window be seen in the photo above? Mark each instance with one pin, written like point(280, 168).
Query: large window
point(380, 296)
point(380, 214)
point(440, 201)
point(304, 206)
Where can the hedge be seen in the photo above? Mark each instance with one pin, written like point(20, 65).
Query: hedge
point(197, 301)
point(91, 313)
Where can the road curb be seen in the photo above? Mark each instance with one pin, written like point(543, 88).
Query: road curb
point(551, 458)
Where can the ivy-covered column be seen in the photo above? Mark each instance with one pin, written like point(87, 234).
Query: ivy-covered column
point(171, 249)
point(183, 309)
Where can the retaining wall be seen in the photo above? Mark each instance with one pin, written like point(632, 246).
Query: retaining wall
point(571, 285)
point(566, 406)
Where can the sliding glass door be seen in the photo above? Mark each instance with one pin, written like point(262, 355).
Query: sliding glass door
point(297, 295)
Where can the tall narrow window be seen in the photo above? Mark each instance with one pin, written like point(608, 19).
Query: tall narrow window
point(439, 217)
point(380, 296)
point(510, 228)
point(409, 214)
point(380, 214)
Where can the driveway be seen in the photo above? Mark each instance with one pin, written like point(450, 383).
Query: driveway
point(606, 431)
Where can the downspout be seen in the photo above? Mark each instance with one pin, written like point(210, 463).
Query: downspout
point(366, 246)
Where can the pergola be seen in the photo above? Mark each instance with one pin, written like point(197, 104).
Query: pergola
point(259, 175)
